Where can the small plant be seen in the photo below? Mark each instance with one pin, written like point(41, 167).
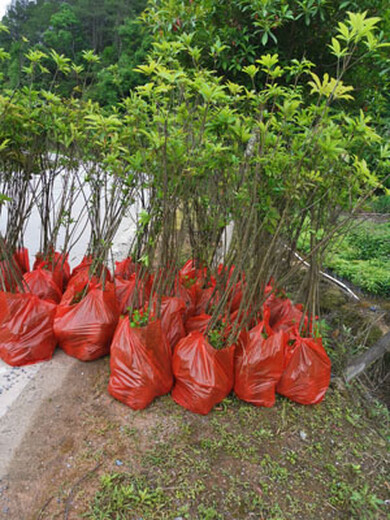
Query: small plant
point(140, 318)
point(188, 282)
point(120, 493)
point(217, 335)
point(322, 330)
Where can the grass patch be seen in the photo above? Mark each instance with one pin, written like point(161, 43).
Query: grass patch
point(242, 462)
point(381, 204)
point(362, 257)
point(121, 493)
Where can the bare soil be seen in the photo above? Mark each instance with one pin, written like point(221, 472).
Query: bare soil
point(87, 454)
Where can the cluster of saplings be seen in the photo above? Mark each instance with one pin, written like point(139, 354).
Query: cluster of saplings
point(169, 342)
point(209, 169)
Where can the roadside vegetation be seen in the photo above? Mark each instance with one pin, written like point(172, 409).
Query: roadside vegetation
point(361, 256)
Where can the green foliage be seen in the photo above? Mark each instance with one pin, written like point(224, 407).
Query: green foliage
point(370, 275)
point(231, 35)
point(370, 240)
point(108, 29)
point(139, 318)
point(265, 155)
point(217, 335)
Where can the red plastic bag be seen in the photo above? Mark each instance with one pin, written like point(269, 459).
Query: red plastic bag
point(125, 268)
point(306, 377)
point(140, 364)
point(26, 329)
point(58, 264)
point(203, 376)
point(41, 282)
point(172, 312)
point(131, 293)
point(205, 298)
point(284, 315)
point(82, 270)
point(22, 259)
point(77, 285)
point(197, 323)
point(188, 295)
point(191, 275)
point(259, 365)
point(85, 329)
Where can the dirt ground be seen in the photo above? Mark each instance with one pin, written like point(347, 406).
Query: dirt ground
point(44, 461)
point(89, 456)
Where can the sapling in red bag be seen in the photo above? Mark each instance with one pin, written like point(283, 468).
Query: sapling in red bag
point(204, 375)
point(306, 376)
point(85, 320)
point(140, 361)
point(186, 290)
point(235, 289)
point(284, 315)
point(191, 275)
point(259, 364)
point(26, 329)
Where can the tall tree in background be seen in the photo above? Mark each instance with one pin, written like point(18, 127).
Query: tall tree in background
point(108, 27)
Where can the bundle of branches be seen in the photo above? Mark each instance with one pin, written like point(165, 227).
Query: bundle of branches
point(55, 188)
point(19, 157)
point(108, 183)
point(86, 318)
point(266, 163)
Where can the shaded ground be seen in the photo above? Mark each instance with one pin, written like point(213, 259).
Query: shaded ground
point(88, 454)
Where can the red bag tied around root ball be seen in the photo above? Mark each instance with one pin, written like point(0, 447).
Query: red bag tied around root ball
point(58, 264)
point(41, 282)
point(21, 258)
point(133, 293)
point(85, 329)
point(140, 364)
point(284, 315)
point(198, 323)
point(204, 376)
point(306, 377)
point(125, 268)
point(259, 365)
point(82, 270)
point(26, 329)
